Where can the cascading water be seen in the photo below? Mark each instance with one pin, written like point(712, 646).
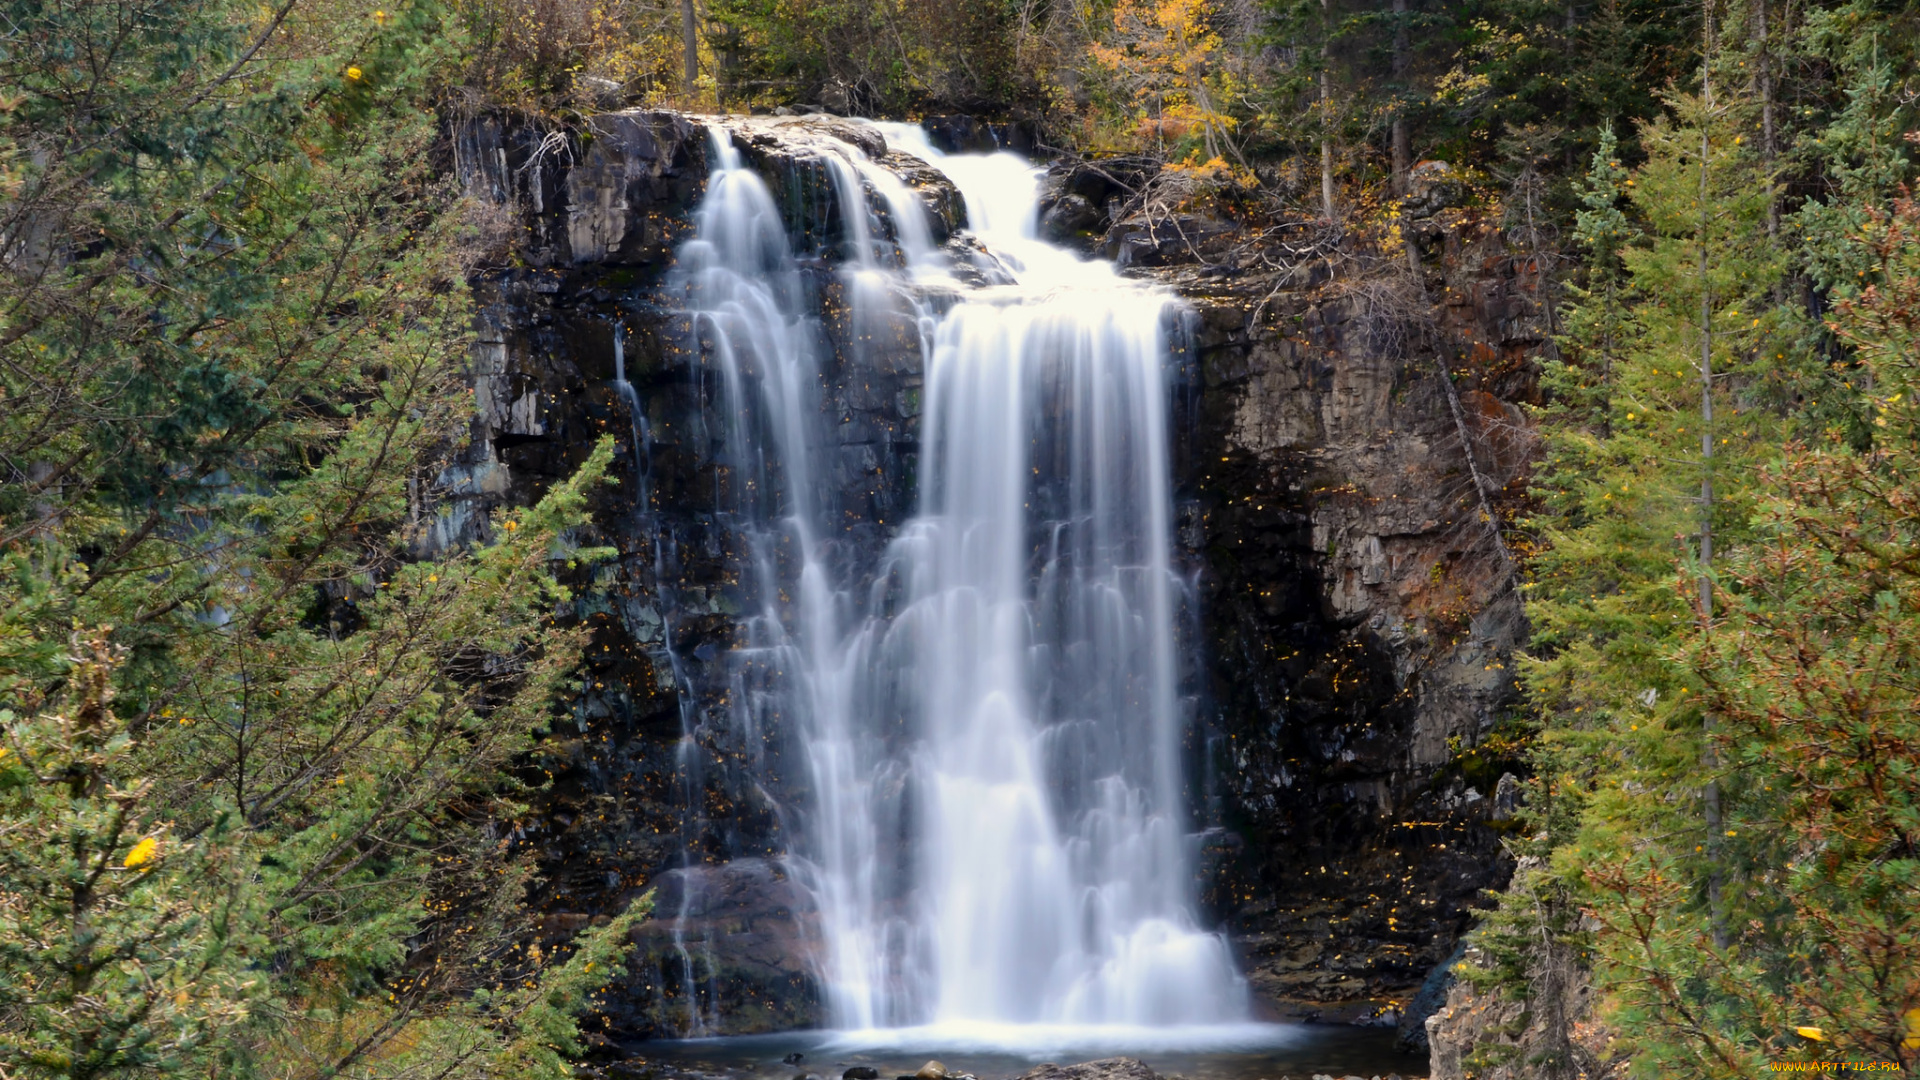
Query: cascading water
point(697, 1022)
point(992, 725)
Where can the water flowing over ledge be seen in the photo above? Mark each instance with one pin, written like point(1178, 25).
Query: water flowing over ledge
point(992, 716)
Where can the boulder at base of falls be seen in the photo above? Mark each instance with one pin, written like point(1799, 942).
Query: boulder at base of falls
point(1116, 1068)
point(731, 941)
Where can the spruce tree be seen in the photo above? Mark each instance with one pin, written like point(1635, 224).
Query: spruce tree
point(258, 753)
point(1663, 353)
point(1812, 671)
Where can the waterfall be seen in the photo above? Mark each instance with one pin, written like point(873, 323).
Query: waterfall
point(991, 718)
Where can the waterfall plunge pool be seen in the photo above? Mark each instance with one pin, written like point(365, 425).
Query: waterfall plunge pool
point(1002, 1052)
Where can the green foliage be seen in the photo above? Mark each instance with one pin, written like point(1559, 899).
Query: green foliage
point(1814, 675)
point(1809, 675)
point(126, 947)
point(1597, 326)
point(1624, 464)
point(1859, 147)
point(1625, 497)
point(531, 54)
point(1714, 787)
point(1577, 67)
point(888, 57)
point(258, 729)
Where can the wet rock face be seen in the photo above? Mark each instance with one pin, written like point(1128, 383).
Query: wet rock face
point(616, 198)
point(743, 941)
point(961, 134)
point(1081, 201)
point(1359, 622)
point(1356, 628)
point(786, 153)
point(662, 759)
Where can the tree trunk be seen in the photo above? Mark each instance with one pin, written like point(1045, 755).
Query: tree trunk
point(1716, 909)
point(1765, 77)
point(1402, 138)
point(1326, 108)
point(690, 42)
point(1482, 486)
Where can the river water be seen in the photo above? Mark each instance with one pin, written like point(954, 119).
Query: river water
point(1279, 1051)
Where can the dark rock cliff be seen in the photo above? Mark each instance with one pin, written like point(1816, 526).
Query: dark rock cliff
point(1359, 614)
point(666, 775)
point(1357, 620)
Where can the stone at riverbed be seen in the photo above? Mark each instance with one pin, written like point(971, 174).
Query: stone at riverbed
point(932, 1070)
point(1117, 1068)
point(861, 1072)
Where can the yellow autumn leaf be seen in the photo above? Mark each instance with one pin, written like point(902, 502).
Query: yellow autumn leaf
point(1813, 1033)
point(142, 853)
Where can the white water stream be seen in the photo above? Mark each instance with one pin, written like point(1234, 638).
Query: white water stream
point(992, 729)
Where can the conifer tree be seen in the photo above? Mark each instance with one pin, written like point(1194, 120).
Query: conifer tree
point(1580, 380)
point(257, 752)
point(1812, 671)
point(1662, 359)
